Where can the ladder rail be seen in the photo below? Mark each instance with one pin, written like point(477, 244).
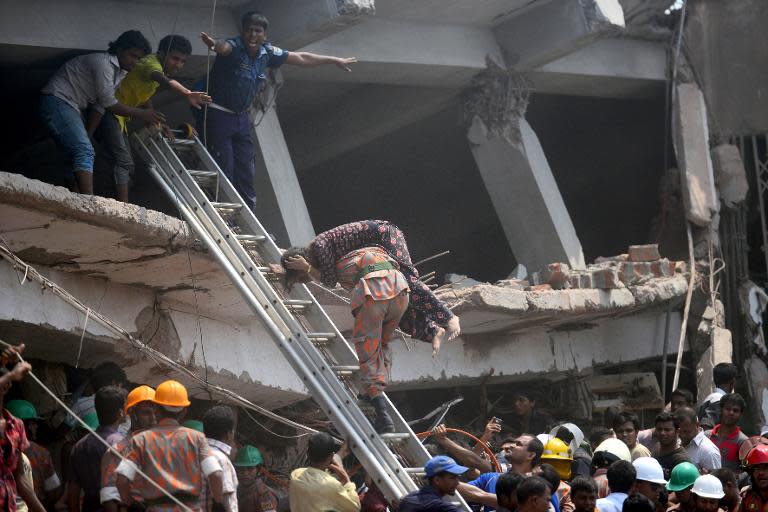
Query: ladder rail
point(319, 376)
point(335, 396)
point(317, 316)
point(311, 378)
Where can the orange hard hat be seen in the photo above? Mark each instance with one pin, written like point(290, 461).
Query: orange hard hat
point(138, 395)
point(171, 394)
point(757, 455)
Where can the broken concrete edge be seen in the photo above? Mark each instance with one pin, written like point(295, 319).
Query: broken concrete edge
point(518, 303)
point(150, 227)
point(353, 8)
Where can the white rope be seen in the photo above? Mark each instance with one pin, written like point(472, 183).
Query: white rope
point(82, 337)
point(97, 436)
point(155, 355)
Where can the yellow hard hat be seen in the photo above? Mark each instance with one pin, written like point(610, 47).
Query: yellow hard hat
point(556, 449)
point(138, 395)
point(171, 394)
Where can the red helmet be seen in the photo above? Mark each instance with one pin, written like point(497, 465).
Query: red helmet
point(757, 455)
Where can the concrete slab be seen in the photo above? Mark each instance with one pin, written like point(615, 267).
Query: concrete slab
point(691, 137)
point(550, 30)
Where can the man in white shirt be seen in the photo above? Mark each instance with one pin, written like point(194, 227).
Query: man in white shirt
point(219, 429)
point(701, 450)
point(621, 479)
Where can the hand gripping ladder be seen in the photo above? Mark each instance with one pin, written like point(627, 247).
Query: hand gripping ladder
point(314, 347)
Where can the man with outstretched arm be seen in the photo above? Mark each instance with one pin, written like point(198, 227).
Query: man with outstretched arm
point(237, 76)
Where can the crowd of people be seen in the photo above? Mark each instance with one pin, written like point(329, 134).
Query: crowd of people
point(145, 453)
point(94, 96)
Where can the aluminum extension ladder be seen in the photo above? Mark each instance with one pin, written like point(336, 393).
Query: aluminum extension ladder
point(314, 347)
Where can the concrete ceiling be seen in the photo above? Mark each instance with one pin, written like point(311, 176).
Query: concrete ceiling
point(460, 12)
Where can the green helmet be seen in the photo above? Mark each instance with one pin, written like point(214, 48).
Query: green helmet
point(248, 456)
point(683, 476)
point(22, 409)
point(194, 425)
point(92, 420)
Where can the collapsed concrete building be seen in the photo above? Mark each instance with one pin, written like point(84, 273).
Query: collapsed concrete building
point(527, 138)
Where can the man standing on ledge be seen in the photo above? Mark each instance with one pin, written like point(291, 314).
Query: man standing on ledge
point(237, 76)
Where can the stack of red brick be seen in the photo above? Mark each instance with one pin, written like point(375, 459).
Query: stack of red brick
point(641, 263)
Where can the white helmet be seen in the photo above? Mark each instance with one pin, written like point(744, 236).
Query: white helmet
point(649, 470)
point(708, 486)
point(616, 447)
point(578, 435)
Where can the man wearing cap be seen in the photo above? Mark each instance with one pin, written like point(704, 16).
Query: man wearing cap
point(681, 482)
point(650, 478)
point(707, 492)
point(606, 453)
point(754, 498)
point(85, 460)
point(313, 489)
point(44, 477)
point(175, 457)
point(141, 410)
point(442, 473)
point(253, 494)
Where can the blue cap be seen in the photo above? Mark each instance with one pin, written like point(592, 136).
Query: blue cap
point(440, 464)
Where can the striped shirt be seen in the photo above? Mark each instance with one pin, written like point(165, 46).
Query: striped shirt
point(176, 457)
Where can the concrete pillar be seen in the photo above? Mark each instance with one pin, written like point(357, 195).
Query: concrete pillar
point(691, 138)
point(719, 351)
point(516, 173)
point(280, 206)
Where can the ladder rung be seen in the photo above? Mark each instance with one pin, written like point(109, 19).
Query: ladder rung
point(250, 239)
point(227, 207)
point(297, 303)
point(203, 175)
point(345, 370)
point(321, 336)
point(395, 436)
point(185, 143)
point(415, 471)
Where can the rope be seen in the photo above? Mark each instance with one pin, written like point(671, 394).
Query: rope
point(97, 436)
point(82, 337)
point(157, 356)
point(483, 444)
point(687, 308)
point(208, 77)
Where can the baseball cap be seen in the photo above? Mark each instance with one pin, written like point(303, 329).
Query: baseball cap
point(441, 464)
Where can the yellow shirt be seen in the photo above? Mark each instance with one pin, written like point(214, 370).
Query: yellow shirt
point(312, 490)
point(138, 86)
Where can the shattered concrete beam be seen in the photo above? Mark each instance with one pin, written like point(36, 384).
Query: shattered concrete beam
point(297, 23)
point(550, 30)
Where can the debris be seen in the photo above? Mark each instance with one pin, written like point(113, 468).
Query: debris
point(557, 275)
point(460, 281)
point(730, 175)
point(606, 278)
point(644, 252)
point(520, 272)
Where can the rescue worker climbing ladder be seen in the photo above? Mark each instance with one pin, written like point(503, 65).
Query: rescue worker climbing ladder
point(371, 260)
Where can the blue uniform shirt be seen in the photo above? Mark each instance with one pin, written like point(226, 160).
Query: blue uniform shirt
point(426, 499)
point(236, 78)
point(487, 482)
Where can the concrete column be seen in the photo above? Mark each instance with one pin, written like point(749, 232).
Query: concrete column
point(691, 138)
point(280, 206)
point(719, 351)
point(516, 173)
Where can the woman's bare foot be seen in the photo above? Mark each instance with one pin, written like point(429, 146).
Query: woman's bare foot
point(437, 340)
point(453, 327)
